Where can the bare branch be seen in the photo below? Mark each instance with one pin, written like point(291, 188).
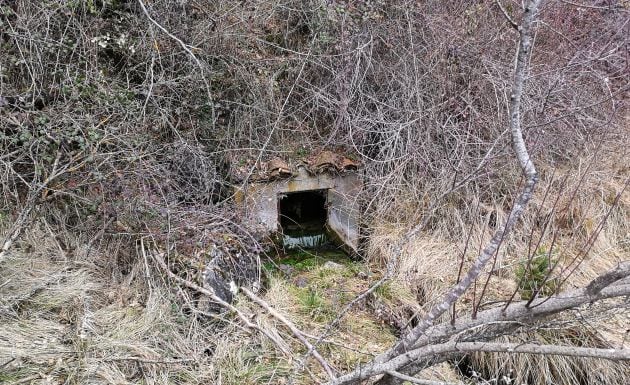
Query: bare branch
point(467, 347)
point(189, 51)
point(618, 6)
point(568, 351)
point(507, 16)
point(296, 332)
point(184, 46)
point(605, 280)
point(34, 195)
point(527, 166)
point(502, 322)
point(245, 319)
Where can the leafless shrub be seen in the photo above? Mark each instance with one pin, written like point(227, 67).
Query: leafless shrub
point(192, 175)
point(116, 118)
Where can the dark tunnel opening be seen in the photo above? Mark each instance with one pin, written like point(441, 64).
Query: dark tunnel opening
point(303, 217)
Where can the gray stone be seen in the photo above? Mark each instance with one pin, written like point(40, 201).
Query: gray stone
point(287, 269)
point(333, 265)
point(300, 282)
point(229, 268)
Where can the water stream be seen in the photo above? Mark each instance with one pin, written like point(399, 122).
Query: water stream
point(312, 241)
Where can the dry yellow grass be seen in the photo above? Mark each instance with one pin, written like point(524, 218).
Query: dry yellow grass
point(429, 265)
point(65, 321)
point(76, 320)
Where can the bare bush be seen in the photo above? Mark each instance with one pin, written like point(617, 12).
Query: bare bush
point(121, 121)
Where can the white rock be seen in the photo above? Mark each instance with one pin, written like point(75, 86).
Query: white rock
point(333, 265)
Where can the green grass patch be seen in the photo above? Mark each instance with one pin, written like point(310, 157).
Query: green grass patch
point(314, 304)
point(14, 376)
point(385, 291)
point(537, 276)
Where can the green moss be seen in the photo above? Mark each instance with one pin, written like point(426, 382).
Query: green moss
point(302, 264)
point(303, 260)
point(302, 152)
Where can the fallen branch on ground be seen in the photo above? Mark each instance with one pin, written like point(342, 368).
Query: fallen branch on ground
point(296, 332)
point(215, 298)
point(502, 321)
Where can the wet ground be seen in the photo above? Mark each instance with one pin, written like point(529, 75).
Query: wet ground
point(307, 246)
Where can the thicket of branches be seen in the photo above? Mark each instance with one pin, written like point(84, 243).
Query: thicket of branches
point(419, 92)
point(121, 121)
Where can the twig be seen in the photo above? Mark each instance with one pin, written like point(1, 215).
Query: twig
point(147, 272)
point(33, 197)
point(619, 6)
point(217, 299)
point(345, 310)
point(497, 347)
point(598, 284)
point(527, 166)
point(185, 46)
point(27, 379)
point(516, 315)
point(189, 51)
point(7, 363)
point(296, 332)
point(149, 361)
point(507, 16)
point(530, 174)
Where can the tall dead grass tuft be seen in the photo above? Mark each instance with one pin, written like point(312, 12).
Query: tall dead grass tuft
point(565, 225)
point(428, 265)
point(506, 368)
point(67, 319)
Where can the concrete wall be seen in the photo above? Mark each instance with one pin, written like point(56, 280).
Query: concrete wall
point(260, 201)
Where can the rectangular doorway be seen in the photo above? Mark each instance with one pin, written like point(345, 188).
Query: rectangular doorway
point(303, 216)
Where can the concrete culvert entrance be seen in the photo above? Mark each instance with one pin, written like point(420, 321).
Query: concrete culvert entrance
point(303, 216)
point(308, 204)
